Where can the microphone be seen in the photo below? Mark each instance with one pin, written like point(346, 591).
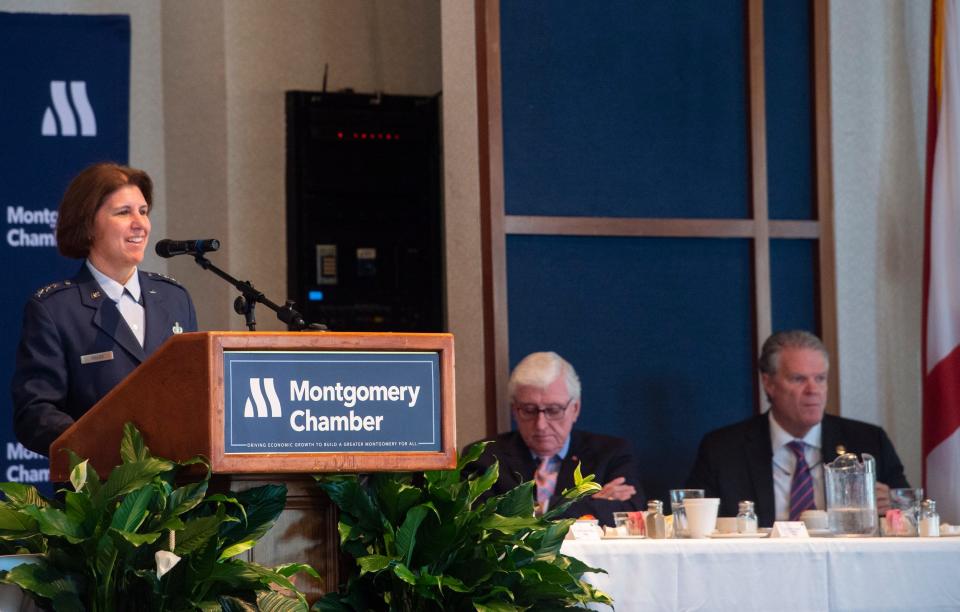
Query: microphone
point(171, 248)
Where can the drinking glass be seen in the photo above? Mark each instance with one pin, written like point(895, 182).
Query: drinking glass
point(903, 516)
point(680, 527)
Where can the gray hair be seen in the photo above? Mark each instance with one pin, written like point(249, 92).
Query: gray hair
point(794, 339)
point(540, 370)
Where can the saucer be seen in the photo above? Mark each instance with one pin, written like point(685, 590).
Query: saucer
point(720, 536)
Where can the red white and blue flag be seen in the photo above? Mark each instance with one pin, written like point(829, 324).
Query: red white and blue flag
point(941, 274)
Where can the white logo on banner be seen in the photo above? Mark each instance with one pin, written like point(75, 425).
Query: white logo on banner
point(67, 113)
point(256, 395)
point(19, 232)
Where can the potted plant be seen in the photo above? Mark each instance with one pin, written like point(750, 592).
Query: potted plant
point(438, 543)
point(140, 540)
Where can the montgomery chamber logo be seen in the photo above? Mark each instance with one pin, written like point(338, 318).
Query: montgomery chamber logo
point(256, 395)
point(68, 110)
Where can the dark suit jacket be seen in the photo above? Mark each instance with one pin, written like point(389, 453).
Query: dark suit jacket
point(65, 321)
point(604, 456)
point(736, 462)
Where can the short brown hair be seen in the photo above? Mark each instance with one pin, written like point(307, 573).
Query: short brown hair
point(83, 198)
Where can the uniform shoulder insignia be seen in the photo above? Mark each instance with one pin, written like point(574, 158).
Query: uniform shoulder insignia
point(162, 277)
point(45, 292)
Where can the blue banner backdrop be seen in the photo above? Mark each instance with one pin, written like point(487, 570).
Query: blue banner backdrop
point(65, 104)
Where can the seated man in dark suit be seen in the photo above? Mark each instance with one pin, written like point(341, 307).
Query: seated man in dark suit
point(545, 401)
point(776, 459)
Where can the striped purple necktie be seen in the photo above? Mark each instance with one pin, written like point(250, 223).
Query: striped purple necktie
point(801, 487)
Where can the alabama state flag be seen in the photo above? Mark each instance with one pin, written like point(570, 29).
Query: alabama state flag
point(941, 274)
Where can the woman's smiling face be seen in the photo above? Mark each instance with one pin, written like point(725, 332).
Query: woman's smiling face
point(121, 228)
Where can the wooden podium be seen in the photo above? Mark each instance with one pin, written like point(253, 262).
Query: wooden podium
point(177, 400)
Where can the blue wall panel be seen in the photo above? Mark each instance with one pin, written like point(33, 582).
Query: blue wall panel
point(787, 32)
point(625, 108)
point(793, 284)
point(658, 329)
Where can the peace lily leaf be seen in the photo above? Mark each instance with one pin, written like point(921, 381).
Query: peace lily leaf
point(350, 496)
point(407, 533)
point(79, 508)
point(132, 511)
point(269, 601)
point(262, 505)
point(485, 482)
point(197, 533)
point(471, 454)
point(236, 571)
point(237, 548)
point(131, 476)
point(579, 568)
point(132, 447)
point(186, 498)
point(19, 494)
point(16, 521)
point(403, 573)
point(552, 540)
point(46, 582)
point(373, 563)
point(509, 524)
point(494, 606)
point(53, 522)
point(106, 555)
point(137, 539)
point(295, 568)
point(517, 501)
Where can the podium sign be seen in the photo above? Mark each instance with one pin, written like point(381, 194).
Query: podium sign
point(331, 402)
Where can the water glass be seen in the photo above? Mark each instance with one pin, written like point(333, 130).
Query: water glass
point(680, 527)
point(628, 523)
point(903, 516)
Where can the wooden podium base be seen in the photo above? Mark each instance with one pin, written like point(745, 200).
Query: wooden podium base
point(305, 532)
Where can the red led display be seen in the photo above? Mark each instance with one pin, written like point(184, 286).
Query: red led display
point(368, 136)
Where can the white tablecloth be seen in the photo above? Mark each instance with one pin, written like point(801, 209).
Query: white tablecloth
point(782, 574)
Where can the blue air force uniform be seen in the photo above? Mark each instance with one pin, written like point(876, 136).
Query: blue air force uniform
point(75, 346)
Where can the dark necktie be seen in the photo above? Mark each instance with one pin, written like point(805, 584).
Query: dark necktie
point(801, 487)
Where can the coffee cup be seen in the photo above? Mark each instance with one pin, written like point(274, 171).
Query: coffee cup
point(676, 509)
point(727, 524)
point(701, 515)
point(815, 520)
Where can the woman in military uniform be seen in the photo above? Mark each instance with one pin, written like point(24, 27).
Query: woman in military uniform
point(80, 337)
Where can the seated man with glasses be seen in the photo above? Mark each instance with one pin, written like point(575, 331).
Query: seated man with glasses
point(545, 402)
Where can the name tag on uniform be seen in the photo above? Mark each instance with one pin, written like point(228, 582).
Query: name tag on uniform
point(96, 357)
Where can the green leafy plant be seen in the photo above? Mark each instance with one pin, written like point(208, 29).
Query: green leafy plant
point(440, 544)
point(138, 541)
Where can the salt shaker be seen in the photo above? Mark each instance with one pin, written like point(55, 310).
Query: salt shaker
point(929, 519)
point(746, 517)
point(656, 526)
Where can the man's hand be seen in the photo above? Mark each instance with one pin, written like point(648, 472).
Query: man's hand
point(616, 489)
point(883, 498)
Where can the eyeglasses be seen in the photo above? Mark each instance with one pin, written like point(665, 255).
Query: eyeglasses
point(552, 412)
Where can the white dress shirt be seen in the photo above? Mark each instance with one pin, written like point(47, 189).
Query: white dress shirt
point(785, 462)
point(126, 297)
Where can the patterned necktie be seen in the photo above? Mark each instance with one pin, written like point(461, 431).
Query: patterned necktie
point(546, 479)
point(801, 487)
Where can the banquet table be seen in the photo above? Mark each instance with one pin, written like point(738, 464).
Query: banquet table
point(775, 574)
